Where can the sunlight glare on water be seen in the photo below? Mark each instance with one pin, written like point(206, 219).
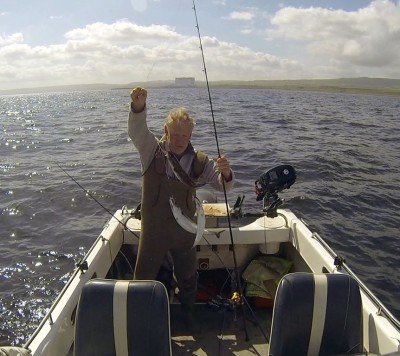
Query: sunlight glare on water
point(345, 149)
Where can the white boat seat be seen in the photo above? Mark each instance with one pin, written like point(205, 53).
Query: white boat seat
point(316, 314)
point(122, 318)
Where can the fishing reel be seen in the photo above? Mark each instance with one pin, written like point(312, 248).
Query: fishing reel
point(220, 303)
point(270, 184)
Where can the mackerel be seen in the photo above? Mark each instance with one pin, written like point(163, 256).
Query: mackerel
point(188, 224)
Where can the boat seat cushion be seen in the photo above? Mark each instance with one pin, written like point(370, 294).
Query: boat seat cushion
point(122, 318)
point(316, 314)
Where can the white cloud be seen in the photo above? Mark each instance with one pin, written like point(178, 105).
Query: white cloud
point(139, 5)
point(241, 15)
point(9, 40)
point(123, 52)
point(220, 2)
point(247, 30)
point(319, 43)
point(369, 37)
point(124, 33)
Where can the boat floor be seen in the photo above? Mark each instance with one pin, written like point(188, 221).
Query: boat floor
point(241, 331)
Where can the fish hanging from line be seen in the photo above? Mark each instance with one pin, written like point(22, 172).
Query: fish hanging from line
point(188, 224)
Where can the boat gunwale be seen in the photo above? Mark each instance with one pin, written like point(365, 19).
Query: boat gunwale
point(378, 304)
point(119, 222)
point(75, 274)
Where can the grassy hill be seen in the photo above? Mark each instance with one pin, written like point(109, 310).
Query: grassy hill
point(381, 86)
point(376, 86)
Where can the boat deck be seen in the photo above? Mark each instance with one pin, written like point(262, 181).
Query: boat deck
point(222, 331)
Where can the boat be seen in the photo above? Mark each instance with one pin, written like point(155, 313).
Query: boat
point(268, 285)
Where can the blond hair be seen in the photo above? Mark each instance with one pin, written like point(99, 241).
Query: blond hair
point(179, 115)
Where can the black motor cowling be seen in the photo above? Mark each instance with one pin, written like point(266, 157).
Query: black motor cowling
point(271, 183)
point(275, 180)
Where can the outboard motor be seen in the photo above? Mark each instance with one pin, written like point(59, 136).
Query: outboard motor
point(271, 183)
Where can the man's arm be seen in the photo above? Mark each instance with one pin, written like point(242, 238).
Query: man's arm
point(143, 139)
point(214, 177)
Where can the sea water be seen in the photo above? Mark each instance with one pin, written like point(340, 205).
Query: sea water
point(344, 147)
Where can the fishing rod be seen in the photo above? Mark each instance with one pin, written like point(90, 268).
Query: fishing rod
point(96, 200)
point(238, 282)
point(208, 86)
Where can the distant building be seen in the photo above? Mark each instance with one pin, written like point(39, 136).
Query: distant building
point(188, 82)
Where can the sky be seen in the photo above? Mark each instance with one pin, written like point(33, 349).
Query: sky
point(54, 42)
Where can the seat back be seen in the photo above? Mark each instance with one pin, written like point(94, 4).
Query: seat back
point(123, 318)
point(316, 315)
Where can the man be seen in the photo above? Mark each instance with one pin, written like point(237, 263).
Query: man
point(162, 160)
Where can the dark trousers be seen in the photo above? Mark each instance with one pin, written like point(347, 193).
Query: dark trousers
point(154, 244)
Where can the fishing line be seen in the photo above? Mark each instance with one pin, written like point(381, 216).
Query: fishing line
point(238, 282)
point(94, 198)
point(232, 278)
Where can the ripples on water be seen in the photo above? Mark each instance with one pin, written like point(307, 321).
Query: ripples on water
point(345, 149)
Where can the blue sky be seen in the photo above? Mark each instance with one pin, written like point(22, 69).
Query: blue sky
point(50, 42)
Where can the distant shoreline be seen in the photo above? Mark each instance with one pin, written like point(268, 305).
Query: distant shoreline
point(367, 86)
point(312, 87)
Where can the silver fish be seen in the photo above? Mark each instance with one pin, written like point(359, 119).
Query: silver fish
point(188, 224)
